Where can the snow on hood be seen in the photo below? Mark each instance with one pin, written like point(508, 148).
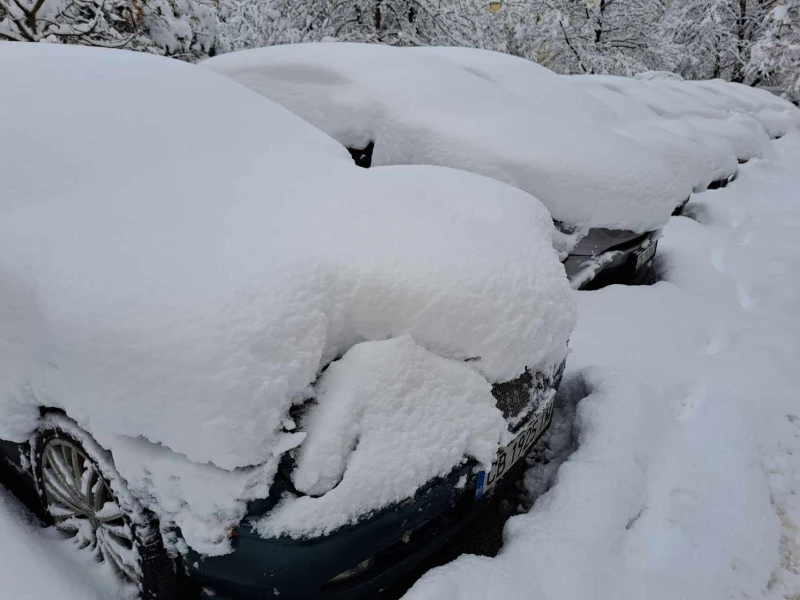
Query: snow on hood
point(175, 249)
point(421, 108)
point(364, 469)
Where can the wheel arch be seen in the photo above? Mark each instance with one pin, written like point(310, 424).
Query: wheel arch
point(160, 569)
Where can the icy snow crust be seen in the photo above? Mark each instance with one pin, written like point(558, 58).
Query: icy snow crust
point(179, 257)
point(424, 107)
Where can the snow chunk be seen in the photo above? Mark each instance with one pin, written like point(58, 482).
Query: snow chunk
point(363, 453)
point(420, 108)
point(203, 500)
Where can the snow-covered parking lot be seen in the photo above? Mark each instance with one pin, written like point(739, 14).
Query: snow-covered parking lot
point(230, 373)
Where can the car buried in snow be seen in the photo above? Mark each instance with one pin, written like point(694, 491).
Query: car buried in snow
point(229, 373)
point(488, 113)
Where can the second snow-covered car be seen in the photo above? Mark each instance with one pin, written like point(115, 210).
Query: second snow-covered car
point(484, 112)
point(228, 371)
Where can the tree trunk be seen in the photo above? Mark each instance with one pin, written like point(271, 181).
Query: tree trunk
point(741, 33)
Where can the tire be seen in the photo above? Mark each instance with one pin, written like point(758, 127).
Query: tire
point(96, 508)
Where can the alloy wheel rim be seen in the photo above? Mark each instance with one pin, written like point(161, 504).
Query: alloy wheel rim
point(83, 507)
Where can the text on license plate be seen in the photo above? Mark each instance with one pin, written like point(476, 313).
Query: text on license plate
point(516, 449)
point(645, 255)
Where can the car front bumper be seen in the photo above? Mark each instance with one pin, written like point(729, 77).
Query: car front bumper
point(397, 539)
point(616, 265)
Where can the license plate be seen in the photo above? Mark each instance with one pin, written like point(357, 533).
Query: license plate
point(644, 256)
point(518, 447)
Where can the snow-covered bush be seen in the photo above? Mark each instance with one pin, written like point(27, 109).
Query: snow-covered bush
point(181, 28)
point(775, 56)
point(748, 41)
point(110, 23)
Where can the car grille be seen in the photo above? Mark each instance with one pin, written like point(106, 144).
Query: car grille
point(525, 393)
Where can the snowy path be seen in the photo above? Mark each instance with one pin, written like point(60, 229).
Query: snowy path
point(685, 481)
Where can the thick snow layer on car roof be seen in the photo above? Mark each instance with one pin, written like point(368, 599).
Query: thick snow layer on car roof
point(422, 109)
point(546, 92)
point(777, 115)
point(660, 95)
point(175, 249)
point(714, 116)
point(696, 158)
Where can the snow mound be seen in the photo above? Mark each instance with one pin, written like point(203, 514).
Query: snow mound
point(723, 120)
point(777, 115)
point(422, 108)
point(166, 258)
point(368, 466)
point(745, 135)
point(696, 158)
point(545, 92)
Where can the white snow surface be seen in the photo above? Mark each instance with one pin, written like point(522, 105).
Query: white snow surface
point(175, 249)
point(545, 92)
point(369, 466)
point(685, 483)
point(741, 116)
point(696, 152)
point(421, 107)
point(38, 564)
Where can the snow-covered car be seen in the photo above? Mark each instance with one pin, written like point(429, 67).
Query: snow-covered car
point(269, 375)
point(487, 113)
point(740, 117)
point(704, 129)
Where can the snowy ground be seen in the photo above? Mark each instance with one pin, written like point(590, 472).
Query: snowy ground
point(684, 479)
point(38, 564)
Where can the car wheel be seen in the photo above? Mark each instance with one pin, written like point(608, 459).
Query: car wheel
point(86, 499)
